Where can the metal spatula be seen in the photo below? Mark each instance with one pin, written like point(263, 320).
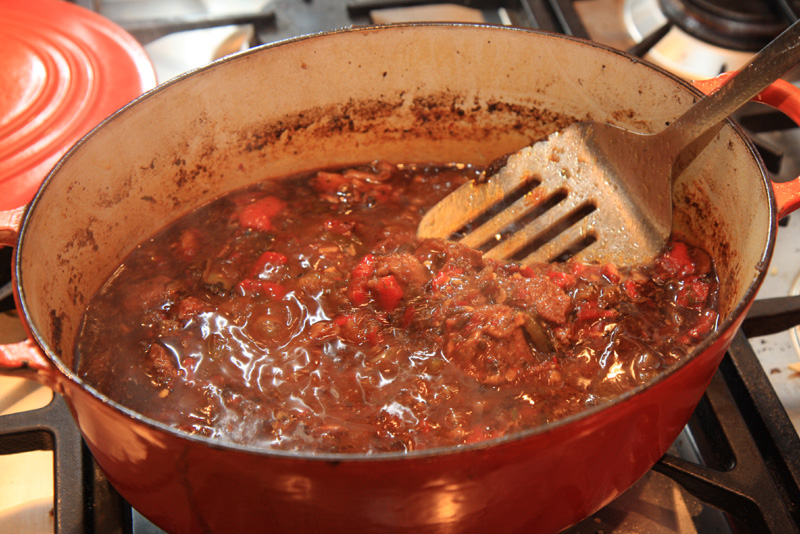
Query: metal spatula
point(593, 191)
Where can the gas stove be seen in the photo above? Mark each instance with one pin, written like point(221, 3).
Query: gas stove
point(735, 468)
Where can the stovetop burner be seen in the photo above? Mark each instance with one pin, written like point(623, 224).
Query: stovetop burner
point(736, 24)
point(683, 38)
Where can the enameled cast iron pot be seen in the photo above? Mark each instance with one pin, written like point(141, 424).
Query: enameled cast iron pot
point(423, 93)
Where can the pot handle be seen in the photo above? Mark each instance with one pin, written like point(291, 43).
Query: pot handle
point(784, 97)
point(10, 222)
point(24, 359)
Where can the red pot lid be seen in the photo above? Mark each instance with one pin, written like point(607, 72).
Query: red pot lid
point(63, 69)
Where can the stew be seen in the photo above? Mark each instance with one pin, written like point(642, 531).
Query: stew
point(304, 314)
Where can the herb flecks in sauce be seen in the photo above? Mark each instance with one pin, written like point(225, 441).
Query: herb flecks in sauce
point(304, 314)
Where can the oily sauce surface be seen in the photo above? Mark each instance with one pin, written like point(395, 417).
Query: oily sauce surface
point(304, 314)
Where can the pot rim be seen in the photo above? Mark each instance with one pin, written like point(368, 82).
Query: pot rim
point(67, 374)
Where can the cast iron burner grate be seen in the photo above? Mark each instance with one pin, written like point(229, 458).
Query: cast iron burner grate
point(282, 19)
point(750, 440)
point(750, 468)
point(739, 25)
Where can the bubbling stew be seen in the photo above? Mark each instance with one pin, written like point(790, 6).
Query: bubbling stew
point(304, 314)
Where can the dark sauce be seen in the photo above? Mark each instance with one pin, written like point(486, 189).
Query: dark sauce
point(304, 314)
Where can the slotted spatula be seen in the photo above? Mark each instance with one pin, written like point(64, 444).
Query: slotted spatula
point(592, 191)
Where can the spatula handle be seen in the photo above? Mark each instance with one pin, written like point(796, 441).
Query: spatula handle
point(767, 66)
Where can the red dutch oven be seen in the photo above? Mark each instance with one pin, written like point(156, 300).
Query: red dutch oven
point(402, 93)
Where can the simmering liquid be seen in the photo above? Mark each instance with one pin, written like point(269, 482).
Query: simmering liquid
point(304, 314)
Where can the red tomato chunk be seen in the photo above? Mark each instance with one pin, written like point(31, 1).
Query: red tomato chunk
point(304, 314)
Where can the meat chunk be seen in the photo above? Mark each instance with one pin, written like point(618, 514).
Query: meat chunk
point(406, 268)
point(153, 293)
point(488, 344)
point(543, 296)
point(160, 366)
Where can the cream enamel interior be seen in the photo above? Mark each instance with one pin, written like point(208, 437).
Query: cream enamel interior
point(424, 93)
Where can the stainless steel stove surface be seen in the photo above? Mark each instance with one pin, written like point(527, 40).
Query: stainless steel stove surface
point(736, 466)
